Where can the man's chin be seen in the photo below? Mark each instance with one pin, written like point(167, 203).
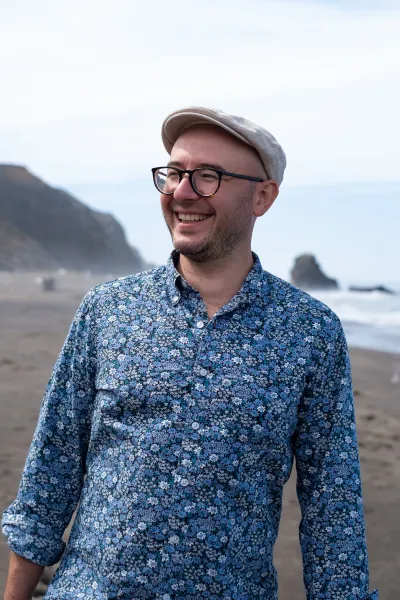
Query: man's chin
point(196, 252)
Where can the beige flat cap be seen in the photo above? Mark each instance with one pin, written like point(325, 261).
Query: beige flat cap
point(270, 151)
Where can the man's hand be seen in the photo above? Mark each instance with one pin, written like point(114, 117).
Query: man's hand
point(23, 577)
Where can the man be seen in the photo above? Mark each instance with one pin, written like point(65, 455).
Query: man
point(183, 393)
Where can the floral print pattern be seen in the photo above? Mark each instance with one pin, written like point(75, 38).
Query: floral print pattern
point(186, 430)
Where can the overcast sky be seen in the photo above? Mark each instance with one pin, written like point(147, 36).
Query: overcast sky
point(86, 84)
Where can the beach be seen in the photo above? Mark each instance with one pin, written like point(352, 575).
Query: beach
point(33, 326)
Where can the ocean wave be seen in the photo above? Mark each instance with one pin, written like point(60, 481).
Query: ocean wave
point(369, 308)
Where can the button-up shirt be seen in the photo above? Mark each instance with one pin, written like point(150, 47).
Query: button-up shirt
point(175, 433)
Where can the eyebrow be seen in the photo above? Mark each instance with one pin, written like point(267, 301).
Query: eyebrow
point(176, 163)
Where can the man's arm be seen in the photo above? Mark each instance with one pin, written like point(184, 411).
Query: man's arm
point(53, 475)
point(332, 533)
point(23, 577)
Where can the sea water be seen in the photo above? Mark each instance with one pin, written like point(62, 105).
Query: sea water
point(370, 319)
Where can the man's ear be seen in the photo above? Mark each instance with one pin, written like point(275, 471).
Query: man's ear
point(264, 197)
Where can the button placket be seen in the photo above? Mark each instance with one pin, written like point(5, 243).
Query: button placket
point(203, 370)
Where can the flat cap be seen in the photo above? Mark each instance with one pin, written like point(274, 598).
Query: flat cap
point(270, 151)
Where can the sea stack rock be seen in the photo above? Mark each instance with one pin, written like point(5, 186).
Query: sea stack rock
point(307, 275)
point(376, 288)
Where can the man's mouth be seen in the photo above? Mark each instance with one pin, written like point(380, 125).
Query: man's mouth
point(190, 218)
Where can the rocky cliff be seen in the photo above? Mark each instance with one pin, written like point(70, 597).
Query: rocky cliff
point(42, 227)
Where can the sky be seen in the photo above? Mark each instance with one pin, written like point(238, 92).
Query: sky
point(86, 85)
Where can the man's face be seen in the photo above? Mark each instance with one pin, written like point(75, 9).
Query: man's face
point(229, 214)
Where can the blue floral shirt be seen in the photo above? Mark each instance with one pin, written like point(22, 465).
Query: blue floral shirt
point(186, 429)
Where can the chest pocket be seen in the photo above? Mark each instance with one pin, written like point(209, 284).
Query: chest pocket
point(138, 390)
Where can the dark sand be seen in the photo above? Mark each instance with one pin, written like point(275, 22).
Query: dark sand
point(33, 325)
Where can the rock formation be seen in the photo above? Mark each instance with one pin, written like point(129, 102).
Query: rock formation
point(307, 275)
point(375, 288)
point(20, 252)
point(42, 227)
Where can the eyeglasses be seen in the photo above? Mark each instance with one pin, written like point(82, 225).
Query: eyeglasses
point(205, 182)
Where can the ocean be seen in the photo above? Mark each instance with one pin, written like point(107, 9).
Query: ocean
point(370, 319)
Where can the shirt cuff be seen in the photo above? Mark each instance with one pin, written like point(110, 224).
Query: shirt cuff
point(374, 595)
point(32, 540)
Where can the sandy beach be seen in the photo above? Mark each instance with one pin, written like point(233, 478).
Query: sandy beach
point(33, 325)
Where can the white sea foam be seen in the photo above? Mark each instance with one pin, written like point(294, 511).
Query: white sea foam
point(370, 319)
point(366, 308)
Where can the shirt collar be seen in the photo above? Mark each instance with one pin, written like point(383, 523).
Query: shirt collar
point(253, 286)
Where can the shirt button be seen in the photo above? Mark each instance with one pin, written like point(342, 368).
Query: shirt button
point(200, 324)
point(203, 372)
point(175, 300)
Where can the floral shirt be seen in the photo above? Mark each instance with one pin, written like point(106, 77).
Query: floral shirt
point(186, 429)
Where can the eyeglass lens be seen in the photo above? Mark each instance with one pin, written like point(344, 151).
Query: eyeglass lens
point(205, 181)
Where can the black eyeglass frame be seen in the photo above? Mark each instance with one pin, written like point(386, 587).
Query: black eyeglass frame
point(220, 174)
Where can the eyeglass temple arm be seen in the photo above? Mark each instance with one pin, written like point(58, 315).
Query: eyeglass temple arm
point(242, 176)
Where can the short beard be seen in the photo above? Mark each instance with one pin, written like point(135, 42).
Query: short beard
point(223, 240)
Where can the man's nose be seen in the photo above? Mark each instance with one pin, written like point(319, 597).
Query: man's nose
point(184, 190)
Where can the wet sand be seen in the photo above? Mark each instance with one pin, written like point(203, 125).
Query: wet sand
point(33, 325)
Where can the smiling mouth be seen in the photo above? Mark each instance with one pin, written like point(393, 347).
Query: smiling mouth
point(191, 218)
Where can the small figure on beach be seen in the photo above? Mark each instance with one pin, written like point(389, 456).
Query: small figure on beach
point(180, 401)
point(48, 284)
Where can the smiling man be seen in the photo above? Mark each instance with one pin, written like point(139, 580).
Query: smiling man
point(204, 229)
point(184, 394)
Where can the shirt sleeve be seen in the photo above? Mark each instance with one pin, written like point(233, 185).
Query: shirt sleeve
point(53, 474)
point(332, 532)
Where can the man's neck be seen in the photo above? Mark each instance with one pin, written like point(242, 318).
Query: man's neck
point(217, 281)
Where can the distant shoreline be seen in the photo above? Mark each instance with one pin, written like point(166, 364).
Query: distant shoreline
point(70, 287)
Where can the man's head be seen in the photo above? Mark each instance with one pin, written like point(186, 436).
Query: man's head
point(226, 218)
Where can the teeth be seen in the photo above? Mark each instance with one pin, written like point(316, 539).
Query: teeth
point(184, 217)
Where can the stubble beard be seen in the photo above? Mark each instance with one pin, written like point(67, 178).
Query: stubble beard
point(223, 239)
